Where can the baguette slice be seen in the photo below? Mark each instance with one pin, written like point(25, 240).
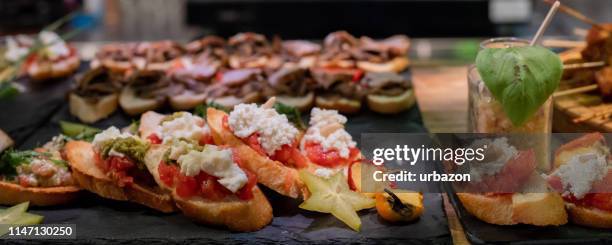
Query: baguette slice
point(12, 194)
point(303, 103)
point(398, 64)
point(391, 104)
point(43, 70)
point(186, 100)
point(236, 214)
point(343, 105)
point(541, 209)
point(81, 157)
point(591, 217)
point(273, 174)
point(92, 112)
point(133, 105)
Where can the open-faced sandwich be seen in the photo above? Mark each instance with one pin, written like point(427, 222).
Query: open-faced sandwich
point(387, 55)
point(113, 167)
point(252, 50)
point(293, 86)
point(266, 142)
point(388, 92)
point(188, 86)
point(39, 176)
point(505, 188)
point(300, 53)
point(237, 86)
point(147, 90)
point(339, 88)
point(116, 57)
point(54, 59)
point(157, 56)
point(583, 175)
point(209, 183)
point(209, 51)
point(95, 96)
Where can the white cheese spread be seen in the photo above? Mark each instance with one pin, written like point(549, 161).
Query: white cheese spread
point(216, 162)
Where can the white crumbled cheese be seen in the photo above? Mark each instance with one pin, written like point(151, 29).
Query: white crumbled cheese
point(55, 47)
point(339, 140)
point(186, 126)
point(325, 117)
point(580, 172)
point(497, 153)
point(216, 162)
point(114, 153)
point(178, 148)
point(109, 134)
point(324, 172)
point(274, 129)
point(14, 52)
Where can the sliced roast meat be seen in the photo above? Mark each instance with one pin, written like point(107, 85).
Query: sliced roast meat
point(251, 50)
point(339, 49)
point(117, 52)
point(300, 48)
point(382, 50)
point(95, 84)
point(196, 79)
point(238, 83)
point(209, 51)
point(151, 84)
point(208, 42)
point(294, 81)
point(160, 51)
point(344, 82)
point(385, 83)
point(240, 76)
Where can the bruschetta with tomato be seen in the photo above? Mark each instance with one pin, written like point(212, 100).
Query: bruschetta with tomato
point(583, 175)
point(208, 182)
point(505, 189)
point(113, 167)
point(39, 176)
point(266, 142)
point(54, 59)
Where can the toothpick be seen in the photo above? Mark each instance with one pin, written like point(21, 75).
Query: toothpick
point(584, 65)
point(574, 13)
point(578, 90)
point(545, 23)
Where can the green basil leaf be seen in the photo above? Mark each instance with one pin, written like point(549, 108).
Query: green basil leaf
point(520, 78)
point(292, 113)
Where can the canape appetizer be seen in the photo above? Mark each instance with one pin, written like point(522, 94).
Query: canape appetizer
point(209, 52)
point(113, 167)
point(338, 50)
point(583, 175)
point(292, 85)
point(116, 57)
point(237, 86)
point(252, 50)
point(388, 92)
point(339, 88)
point(188, 86)
point(147, 90)
point(387, 55)
point(96, 95)
point(157, 56)
point(40, 177)
point(300, 53)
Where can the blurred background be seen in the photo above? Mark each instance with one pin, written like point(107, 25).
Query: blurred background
point(120, 20)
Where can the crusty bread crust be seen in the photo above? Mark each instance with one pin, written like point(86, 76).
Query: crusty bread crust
point(343, 105)
point(12, 194)
point(303, 103)
point(92, 112)
point(80, 156)
point(134, 105)
point(236, 214)
point(591, 217)
point(391, 104)
point(398, 64)
point(44, 70)
point(186, 100)
point(273, 174)
point(541, 209)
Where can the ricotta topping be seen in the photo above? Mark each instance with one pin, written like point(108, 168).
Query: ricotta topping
point(216, 162)
point(55, 47)
point(497, 153)
point(186, 126)
point(580, 172)
point(109, 134)
point(339, 140)
point(274, 129)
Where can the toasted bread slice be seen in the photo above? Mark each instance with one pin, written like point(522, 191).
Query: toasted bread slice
point(12, 194)
point(236, 214)
point(391, 104)
point(273, 174)
point(343, 105)
point(541, 209)
point(92, 112)
point(302, 103)
point(43, 70)
point(398, 64)
point(591, 217)
point(81, 157)
point(134, 105)
point(186, 100)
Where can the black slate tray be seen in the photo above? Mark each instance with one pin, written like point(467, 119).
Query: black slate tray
point(479, 232)
point(100, 220)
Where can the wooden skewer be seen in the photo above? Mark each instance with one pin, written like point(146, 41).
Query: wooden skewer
point(577, 90)
point(556, 43)
point(584, 65)
point(545, 23)
point(574, 13)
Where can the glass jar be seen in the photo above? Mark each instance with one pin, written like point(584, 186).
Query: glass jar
point(486, 114)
